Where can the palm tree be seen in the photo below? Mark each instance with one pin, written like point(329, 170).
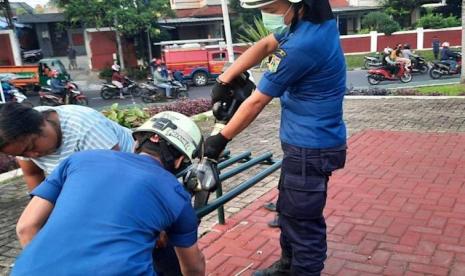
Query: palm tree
point(255, 32)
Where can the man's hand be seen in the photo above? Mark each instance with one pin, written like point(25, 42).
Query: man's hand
point(214, 146)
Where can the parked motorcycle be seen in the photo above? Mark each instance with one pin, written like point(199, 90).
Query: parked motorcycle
point(375, 76)
point(373, 61)
point(419, 64)
point(31, 56)
point(72, 96)
point(152, 93)
point(442, 68)
point(130, 87)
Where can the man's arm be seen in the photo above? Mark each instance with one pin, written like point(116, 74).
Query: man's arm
point(246, 113)
point(32, 219)
point(251, 57)
point(191, 260)
point(32, 174)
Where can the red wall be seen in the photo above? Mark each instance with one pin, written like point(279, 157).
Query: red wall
point(102, 47)
point(454, 37)
point(6, 54)
point(392, 40)
point(359, 44)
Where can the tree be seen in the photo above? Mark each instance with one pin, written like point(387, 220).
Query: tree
point(133, 17)
point(402, 10)
point(39, 9)
point(452, 7)
point(437, 21)
point(381, 22)
point(243, 17)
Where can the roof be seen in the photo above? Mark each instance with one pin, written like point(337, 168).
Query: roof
point(354, 9)
point(23, 5)
point(189, 20)
point(41, 18)
point(207, 11)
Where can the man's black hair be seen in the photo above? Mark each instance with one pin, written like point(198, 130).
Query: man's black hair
point(18, 120)
point(163, 150)
point(315, 11)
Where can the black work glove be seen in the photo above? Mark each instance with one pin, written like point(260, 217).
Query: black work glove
point(221, 91)
point(214, 146)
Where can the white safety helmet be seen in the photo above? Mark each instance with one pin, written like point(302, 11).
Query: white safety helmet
point(387, 50)
point(176, 129)
point(252, 4)
point(115, 67)
point(445, 44)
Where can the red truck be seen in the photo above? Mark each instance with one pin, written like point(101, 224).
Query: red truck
point(199, 64)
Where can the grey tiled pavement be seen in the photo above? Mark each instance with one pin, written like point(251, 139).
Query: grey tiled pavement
point(428, 115)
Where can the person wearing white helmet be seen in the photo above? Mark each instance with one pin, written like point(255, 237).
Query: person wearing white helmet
point(307, 72)
point(101, 212)
point(448, 56)
point(389, 63)
point(117, 79)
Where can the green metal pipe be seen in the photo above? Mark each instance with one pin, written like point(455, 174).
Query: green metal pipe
point(215, 204)
point(234, 159)
point(252, 162)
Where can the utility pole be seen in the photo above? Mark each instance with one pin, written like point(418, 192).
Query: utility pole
point(227, 30)
point(119, 46)
point(462, 76)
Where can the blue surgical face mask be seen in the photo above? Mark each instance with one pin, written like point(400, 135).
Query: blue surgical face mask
point(275, 22)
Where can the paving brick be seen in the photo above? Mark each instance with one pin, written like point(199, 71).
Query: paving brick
point(429, 269)
point(366, 247)
point(395, 268)
point(333, 266)
point(442, 258)
point(458, 269)
point(363, 267)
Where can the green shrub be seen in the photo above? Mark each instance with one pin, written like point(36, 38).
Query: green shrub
point(128, 117)
point(137, 73)
point(105, 73)
point(380, 22)
point(436, 21)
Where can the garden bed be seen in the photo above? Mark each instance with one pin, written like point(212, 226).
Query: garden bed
point(440, 90)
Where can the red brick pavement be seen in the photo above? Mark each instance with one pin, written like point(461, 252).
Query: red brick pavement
point(398, 208)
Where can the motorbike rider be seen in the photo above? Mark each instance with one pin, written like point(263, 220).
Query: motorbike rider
point(448, 56)
point(58, 86)
point(310, 79)
point(396, 55)
point(406, 52)
point(388, 63)
point(160, 81)
point(101, 212)
point(117, 79)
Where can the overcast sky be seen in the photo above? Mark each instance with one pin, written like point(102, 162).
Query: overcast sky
point(32, 3)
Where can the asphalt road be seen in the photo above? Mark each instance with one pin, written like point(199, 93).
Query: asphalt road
point(355, 79)
point(95, 101)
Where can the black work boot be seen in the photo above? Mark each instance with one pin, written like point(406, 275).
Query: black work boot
point(281, 267)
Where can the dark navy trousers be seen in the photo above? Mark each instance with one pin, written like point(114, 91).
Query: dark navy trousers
point(302, 197)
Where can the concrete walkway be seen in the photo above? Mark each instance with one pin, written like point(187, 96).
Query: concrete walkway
point(357, 194)
point(398, 208)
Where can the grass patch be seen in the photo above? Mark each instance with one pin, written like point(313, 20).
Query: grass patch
point(356, 61)
point(446, 90)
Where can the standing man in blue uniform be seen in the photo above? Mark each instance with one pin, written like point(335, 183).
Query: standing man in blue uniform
point(307, 72)
point(100, 212)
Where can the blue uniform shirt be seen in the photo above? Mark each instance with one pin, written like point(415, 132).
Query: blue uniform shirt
point(308, 73)
point(109, 209)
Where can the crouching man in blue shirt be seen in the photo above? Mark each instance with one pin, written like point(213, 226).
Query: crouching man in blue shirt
point(101, 212)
